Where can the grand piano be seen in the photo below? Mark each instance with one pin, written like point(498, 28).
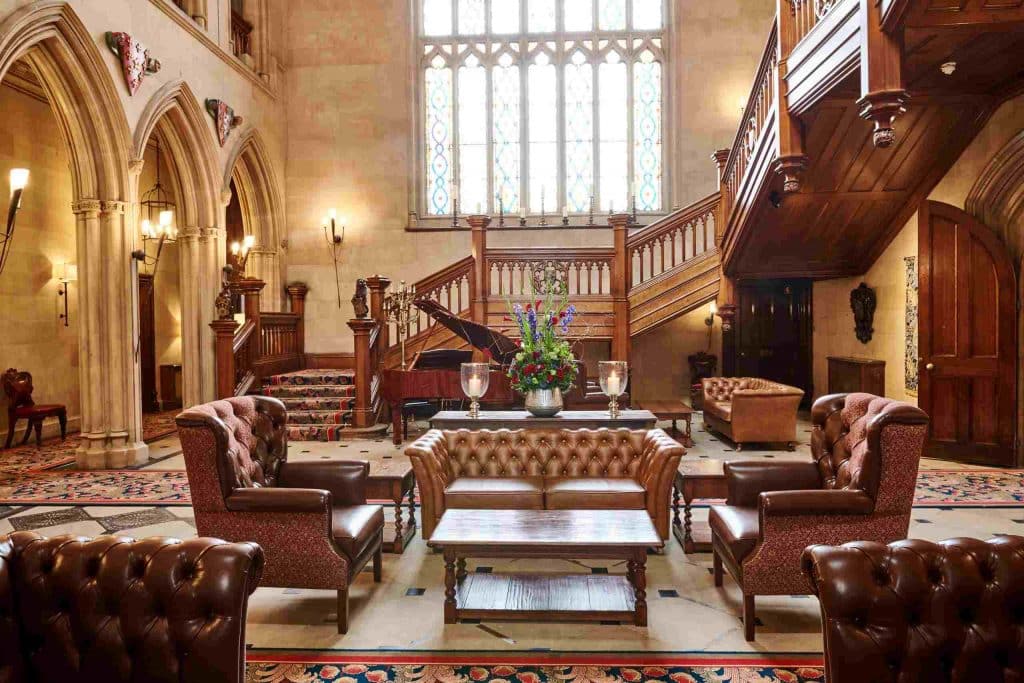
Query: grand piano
point(435, 375)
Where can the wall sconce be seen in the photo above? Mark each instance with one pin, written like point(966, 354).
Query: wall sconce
point(240, 251)
point(66, 273)
point(162, 233)
point(19, 179)
point(334, 242)
point(710, 320)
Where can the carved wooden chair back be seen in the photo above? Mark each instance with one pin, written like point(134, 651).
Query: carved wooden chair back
point(18, 387)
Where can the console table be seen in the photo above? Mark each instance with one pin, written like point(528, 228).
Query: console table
point(520, 419)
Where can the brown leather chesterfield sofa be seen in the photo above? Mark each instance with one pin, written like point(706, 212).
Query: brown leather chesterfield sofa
point(858, 485)
point(545, 469)
point(751, 410)
point(920, 611)
point(117, 610)
point(311, 518)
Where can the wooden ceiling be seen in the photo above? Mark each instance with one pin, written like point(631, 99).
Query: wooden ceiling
point(855, 197)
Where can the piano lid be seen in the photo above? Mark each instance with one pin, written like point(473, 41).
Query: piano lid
point(501, 348)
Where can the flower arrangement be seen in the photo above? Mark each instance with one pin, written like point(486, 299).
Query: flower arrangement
point(545, 359)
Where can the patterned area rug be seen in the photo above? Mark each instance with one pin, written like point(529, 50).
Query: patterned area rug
point(269, 668)
point(29, 458)
point(24, 481)
point(158, 425)
point(98, 487)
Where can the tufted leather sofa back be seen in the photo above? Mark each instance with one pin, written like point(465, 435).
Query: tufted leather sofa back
point(546, 453)
point(920, 611)
point(723, 388)
point(860, 441)
point(118, 610)
point(234, 443)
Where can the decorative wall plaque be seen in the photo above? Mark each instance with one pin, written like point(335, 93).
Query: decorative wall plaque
point(863, 302)
point(135, 60)
point(224, 118)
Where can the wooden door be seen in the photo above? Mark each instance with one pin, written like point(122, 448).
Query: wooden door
point(147, 343)
point(967, 338)
point(773, 332)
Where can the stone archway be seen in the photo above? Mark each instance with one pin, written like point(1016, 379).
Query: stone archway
point(262, 210)
point(51, 37)
point(175, 115)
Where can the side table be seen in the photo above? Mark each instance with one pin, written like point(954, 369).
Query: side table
point(392, 479)
point(696, 479)
point(673, 410)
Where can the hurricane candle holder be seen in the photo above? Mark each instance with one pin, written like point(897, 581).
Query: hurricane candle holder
point(613, 383)
point(475, 379)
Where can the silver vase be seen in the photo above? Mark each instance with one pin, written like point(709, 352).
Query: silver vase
point(544, 402)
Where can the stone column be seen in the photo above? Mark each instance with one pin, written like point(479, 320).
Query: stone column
point(193, 316)
point(109, 327)
point(211, 262)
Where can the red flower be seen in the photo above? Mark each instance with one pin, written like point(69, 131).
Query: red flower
point(529, 307)
point(536, 355)
point(537, 304)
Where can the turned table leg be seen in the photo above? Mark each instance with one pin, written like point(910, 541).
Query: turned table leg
point(688, 435)
point(688, 544)
point(675, 507)
point(638, 577)
point(398, 496)
point(461, 572)
point(449, 586)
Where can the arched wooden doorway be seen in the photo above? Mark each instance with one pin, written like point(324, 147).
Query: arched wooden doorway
point(968, 338)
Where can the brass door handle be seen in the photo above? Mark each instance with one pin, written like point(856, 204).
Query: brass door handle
point(930, 366)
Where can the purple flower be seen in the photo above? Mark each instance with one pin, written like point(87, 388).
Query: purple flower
point(531, 316)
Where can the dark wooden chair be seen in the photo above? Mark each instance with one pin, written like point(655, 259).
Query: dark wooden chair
point(18, 387)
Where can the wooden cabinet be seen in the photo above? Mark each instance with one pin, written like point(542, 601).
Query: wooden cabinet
point(856, 374)
point(170, 387)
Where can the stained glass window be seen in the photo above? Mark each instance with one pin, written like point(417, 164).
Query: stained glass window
point(647, 147)
point(542, 104)
point(472, 17)
point(438, 81)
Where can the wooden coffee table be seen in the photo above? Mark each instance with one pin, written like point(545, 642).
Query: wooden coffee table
point(696, 479)
point(674, 410)
point(546, 534)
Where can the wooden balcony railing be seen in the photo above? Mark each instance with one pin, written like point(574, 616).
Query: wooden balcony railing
point(513, 273)
point(267, 343)
point(675, 239)
point(241, 35)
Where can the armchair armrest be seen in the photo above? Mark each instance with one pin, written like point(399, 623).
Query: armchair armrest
point(345, 480)
point(746, 480)
point(429, 456)
point(279, 500)
point(657, 473)
point(819, 502)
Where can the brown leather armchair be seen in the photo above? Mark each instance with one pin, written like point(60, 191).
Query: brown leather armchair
point(859, 485)
point(920, 611)
point(311, 518)
point(117, 610)
point(751, 410)
point(596, 469)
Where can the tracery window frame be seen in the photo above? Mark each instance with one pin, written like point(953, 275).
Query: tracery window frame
point(453, 49)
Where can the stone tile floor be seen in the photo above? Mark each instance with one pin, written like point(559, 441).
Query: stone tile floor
point(687, 613)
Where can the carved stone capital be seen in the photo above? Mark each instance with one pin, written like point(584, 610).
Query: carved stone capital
point(225, 196)
point(791, 168)
point(883, 107)
point(113, 206)
point(188, 232)
point(135, 167)
point(89, 207)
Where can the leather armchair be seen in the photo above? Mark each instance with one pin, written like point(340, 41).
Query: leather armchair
point(119, 610)
point(749, 409)
point(546, 469)
point(311, 518)
point(920, 611)
point(859, 485)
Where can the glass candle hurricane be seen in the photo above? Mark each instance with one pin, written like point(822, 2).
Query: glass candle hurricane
point(614, 377)
point(475, 379)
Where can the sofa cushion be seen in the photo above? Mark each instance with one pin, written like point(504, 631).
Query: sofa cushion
point(737, 526)
point(355, 527)
point(593, 493)
point(720, 409)
point(504, 493)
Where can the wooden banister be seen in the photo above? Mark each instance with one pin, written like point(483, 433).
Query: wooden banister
point(673, 240)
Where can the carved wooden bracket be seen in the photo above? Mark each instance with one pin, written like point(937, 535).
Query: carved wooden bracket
point(727, 312)
point(883, 107)
point(135, 60)
point(224, 118)
point(791, 168)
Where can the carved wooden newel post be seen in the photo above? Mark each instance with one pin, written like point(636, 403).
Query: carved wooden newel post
point(362, 330)
point(297, 304)
point(224, 340)
point(622, 278)
point(480, 282)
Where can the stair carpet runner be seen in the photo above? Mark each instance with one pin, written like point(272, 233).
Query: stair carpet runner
point(319, 402)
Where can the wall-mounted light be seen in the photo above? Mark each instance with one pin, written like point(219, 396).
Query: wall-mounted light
point(19, 179)
point(66, 273)
point(334, 241)
point(710, 320)
point(240, 251)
